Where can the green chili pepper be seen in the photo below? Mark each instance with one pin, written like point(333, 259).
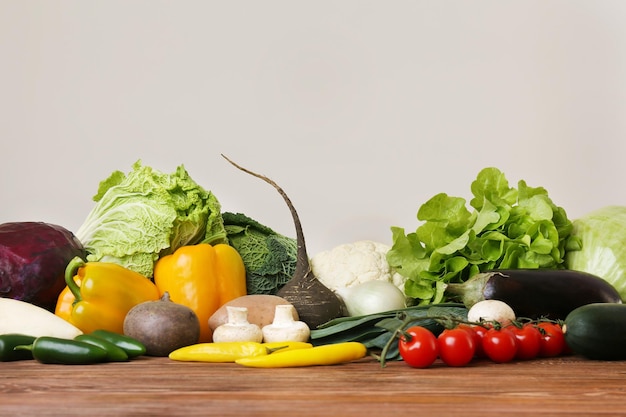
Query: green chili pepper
point(55, 350)
point(9, 341)
point(133, 347)
point(114, 352)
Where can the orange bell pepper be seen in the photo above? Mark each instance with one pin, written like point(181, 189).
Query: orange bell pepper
point(202, 277)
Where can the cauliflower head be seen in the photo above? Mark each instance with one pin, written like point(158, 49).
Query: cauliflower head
point(351, 264)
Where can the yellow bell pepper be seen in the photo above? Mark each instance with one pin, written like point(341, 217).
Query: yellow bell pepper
point(65, 302)
point(100, 294)
point(202, 277)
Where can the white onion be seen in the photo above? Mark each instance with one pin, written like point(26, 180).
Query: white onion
point(372, 297)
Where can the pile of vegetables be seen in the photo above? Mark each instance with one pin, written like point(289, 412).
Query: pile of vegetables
point(159, 263)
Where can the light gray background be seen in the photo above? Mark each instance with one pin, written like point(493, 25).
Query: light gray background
point(360, 110)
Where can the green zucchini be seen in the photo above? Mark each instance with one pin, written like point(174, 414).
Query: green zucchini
point(597, 331)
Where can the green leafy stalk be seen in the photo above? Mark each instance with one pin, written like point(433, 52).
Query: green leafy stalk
point(379, 332)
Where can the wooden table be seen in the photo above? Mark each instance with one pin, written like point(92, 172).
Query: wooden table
point(565, 386)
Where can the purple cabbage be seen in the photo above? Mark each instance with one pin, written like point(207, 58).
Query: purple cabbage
point(33, 257)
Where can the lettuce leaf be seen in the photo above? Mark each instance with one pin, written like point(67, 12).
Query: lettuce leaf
point(145, 214)
point(602, 234)
point(504, 228)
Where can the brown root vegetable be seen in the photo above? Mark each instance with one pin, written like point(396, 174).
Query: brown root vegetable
point(315, 303)
point(261, 308)
point(162, 326)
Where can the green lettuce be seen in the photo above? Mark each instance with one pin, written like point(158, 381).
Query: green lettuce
point(603, 253)
point(506, 228)
point(145, 214)
point(269, 257)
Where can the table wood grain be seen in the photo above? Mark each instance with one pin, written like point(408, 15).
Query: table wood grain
point(567, 386)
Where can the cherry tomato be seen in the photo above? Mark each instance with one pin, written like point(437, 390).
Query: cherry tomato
point(477, 333)
point(499, 345)
point(473, 333)
point(552, 340)
point(480, 333)
point(528, 341)
point(418, 347)
point(456, 346)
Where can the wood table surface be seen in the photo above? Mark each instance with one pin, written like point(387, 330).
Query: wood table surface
point(565, 386)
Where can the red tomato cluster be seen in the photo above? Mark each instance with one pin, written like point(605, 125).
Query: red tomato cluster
point(458, 346)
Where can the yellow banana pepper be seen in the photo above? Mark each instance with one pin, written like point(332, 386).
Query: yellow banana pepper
point(319, 355)
point(100, 294)
point(221, 352)
point(202, 277)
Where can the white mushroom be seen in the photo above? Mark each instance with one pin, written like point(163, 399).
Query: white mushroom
point(237, 329)
point(284, 328)
point(491, 310)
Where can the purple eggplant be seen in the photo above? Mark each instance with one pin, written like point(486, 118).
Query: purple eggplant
point(536, 293)
point(33, 257)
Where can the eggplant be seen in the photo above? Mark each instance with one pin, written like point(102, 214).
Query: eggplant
point(536, 293)
point(33, 257)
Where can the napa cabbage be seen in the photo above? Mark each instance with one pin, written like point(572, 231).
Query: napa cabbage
point(602, 234)
point(145, 214)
